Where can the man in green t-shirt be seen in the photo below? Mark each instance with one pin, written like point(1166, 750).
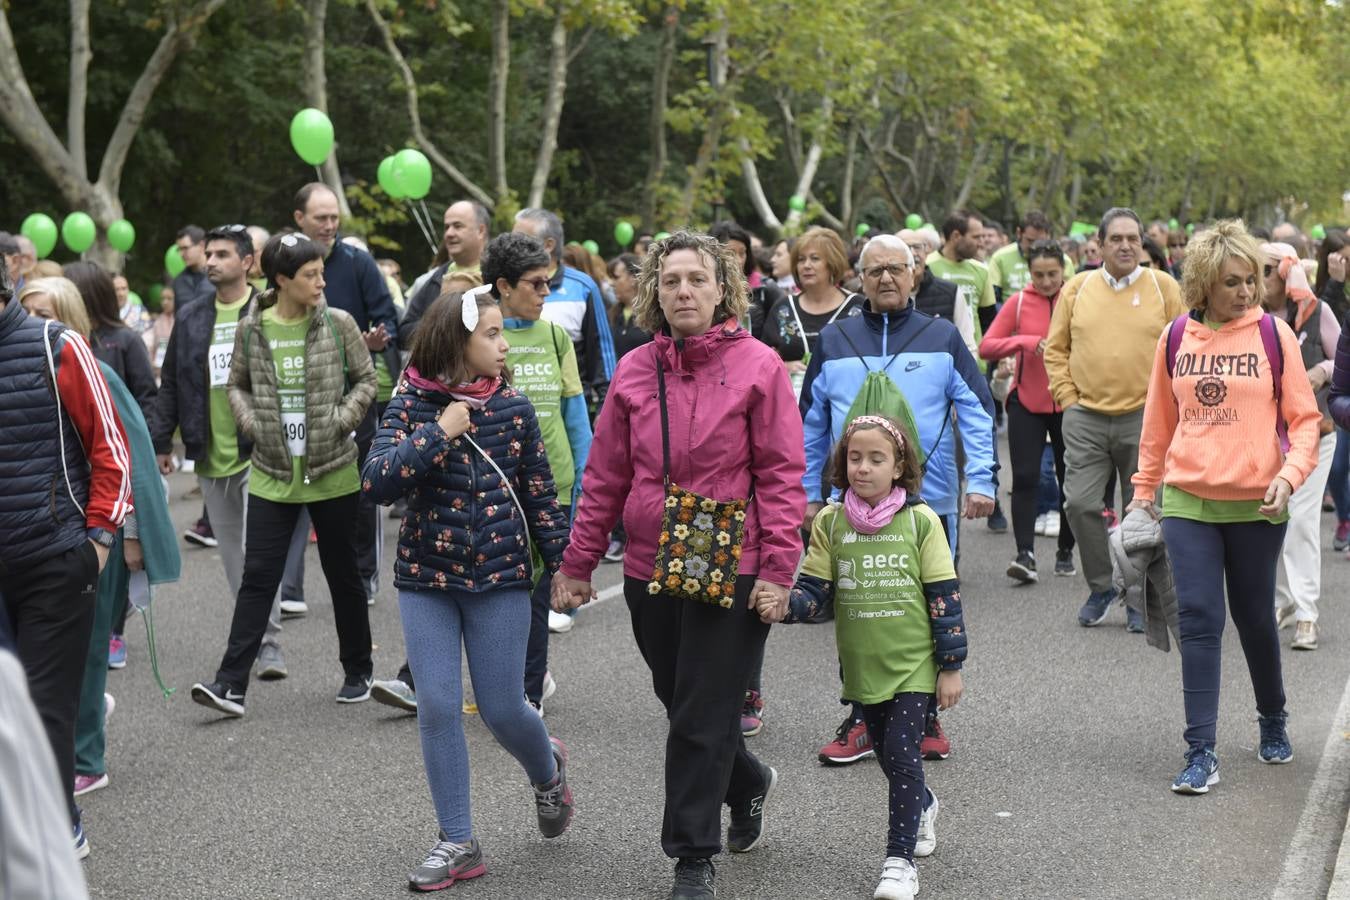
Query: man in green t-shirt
point(1008, 270)
point(957, 262)
point(193, 399)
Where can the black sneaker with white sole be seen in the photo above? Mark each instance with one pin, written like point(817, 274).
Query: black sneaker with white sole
point(747, 819)
point(217, 695)
point(355, 689)
point(1023, 568)
point(1064, 563)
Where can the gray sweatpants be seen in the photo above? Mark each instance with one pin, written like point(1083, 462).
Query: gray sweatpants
point(227, 506)
point(1095, 444)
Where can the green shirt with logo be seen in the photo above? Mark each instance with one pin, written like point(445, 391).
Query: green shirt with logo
point(222, 445)
point(1010, 272)
point(881, 621)
point(286, 338)
point(544, 368)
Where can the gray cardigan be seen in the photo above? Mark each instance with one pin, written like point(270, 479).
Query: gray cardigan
point(1144, 576)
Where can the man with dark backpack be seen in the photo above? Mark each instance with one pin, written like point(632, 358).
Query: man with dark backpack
point(896, 361)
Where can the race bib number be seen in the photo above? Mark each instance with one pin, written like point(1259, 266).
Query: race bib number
point(293, 427)
point(220, 353)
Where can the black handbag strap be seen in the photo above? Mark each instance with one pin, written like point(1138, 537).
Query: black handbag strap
point(665, 424)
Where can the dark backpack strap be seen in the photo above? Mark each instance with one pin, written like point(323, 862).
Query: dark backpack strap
point(1270, 340)
point(1175, 332)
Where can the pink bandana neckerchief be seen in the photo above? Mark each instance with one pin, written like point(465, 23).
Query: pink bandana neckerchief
point(476, 393)
point(1296, 288)
point(869, 519)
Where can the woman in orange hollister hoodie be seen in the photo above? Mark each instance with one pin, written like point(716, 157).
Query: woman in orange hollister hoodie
point(1212, 434)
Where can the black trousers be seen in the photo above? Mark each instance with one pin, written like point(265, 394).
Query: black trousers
point(700, 657)
point(1026, 443)
point(896, 727)
point(49, 610)
point(267, 535)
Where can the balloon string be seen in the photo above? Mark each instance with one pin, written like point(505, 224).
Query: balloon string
point(431, 229)
point(318, 176)
point(426, 234)
point(154, 653)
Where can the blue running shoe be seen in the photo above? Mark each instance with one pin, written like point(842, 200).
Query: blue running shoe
point(1202, 770)
point(1134, 620)
point(1094, 610)
point(81, 842)
point(1275, 747)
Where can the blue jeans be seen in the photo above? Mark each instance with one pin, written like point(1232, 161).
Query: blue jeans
point(1338, 482)
point(1047, 495)
point(1203, 556)
point(493, 628)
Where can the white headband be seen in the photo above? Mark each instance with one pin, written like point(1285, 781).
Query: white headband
point(469, 307)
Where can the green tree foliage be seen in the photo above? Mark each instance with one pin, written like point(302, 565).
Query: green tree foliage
point(868, 109)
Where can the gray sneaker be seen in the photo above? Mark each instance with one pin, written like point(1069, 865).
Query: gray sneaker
point(554, 804)
point(271, 664)
point(447, 863)
point(396, 693)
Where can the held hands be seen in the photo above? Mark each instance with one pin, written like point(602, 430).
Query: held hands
point(454, 419)
point(978, 506)
point(949, 688)
point(570, 593)
point(770, 601)
point(1277, 498)
point(1146, 505)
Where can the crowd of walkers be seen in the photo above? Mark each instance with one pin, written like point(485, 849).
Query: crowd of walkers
point(759, 433)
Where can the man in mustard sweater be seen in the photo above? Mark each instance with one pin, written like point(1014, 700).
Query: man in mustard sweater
point(1099, 353)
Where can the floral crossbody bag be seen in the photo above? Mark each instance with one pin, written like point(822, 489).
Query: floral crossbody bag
point(699, 551)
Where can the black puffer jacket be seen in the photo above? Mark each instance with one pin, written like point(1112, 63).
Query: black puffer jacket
point(462, 531)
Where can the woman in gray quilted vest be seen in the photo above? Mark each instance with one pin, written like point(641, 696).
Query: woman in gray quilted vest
point(300, 380)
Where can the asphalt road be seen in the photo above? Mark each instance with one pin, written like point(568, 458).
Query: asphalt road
point(1064, 747)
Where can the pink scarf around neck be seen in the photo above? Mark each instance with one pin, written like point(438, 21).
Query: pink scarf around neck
point(869, 519)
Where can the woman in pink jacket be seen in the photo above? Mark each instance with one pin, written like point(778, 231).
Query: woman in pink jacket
point(734, 433)
point(1019, 333)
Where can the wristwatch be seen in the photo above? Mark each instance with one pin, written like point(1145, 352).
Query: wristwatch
point(103, 537)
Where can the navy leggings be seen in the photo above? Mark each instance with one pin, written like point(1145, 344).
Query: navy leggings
point(896, 727)
point(1203, 556)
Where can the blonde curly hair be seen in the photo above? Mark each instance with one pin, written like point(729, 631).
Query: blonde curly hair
point(1206, 253)
point(647, 304)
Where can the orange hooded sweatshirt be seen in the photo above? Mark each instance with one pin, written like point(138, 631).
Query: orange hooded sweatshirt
point(1210, 428)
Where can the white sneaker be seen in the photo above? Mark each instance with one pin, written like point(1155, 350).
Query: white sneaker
point(550, 686)
point(188, 466)
point(899, 880)
point(559, 623)
point(109, 704)
point(926, 842)
point(1052, 523)
point(1040, 523)
point(294, 608)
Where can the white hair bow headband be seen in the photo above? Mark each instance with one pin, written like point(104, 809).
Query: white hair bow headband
point(469, 306)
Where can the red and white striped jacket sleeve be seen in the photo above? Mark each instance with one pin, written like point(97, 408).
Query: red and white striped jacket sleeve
point(85, 398)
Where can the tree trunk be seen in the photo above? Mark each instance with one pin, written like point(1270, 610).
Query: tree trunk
point(20, 114)
point(656, 123)
point(80, 55)
point(750, 174)
point(722, 106)
point(414, 115)
point(498, 76)
point(314, 80)
point(846, 190)
point(968, 185)
point(1075, 196)
point(553, 105)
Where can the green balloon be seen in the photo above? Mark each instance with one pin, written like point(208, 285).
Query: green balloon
point(913, 221)
point(173, 262)
point(385, 176)
point(133, 297)
point(623, 233)
point(412, 171)
point(862, 229)
point(78, 231)
point(1190, 230)
point(41, 230)
point(661, 235)
point(312, 135)
point(1173, 224)
point(591, 247)
point(797, 203)
point(928, 225)
point(121, 235)
point(1319, 232)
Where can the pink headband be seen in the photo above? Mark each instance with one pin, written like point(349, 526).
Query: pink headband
point(879, 422)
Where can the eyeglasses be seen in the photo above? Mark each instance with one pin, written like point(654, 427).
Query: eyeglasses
point(290, 240)
point(894, 270)
point(540, 285)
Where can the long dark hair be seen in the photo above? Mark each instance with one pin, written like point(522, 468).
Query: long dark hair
point(1335, 241)
point(97, 291)
point(441, 338)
